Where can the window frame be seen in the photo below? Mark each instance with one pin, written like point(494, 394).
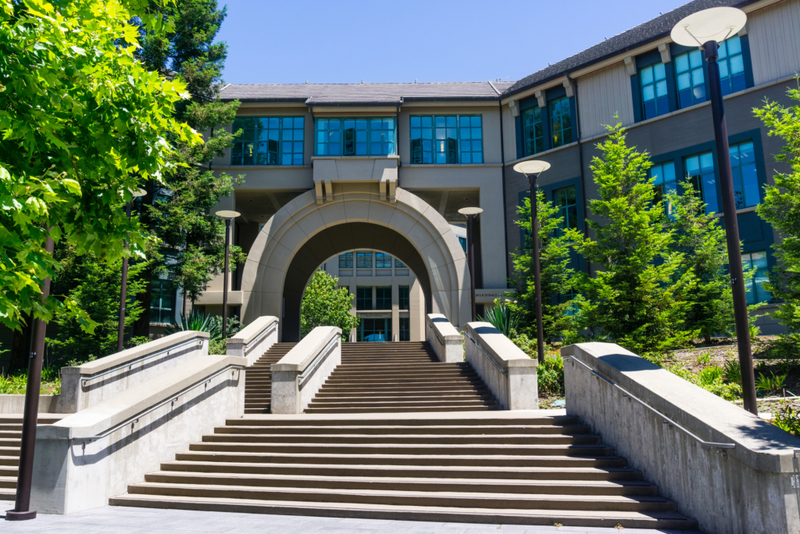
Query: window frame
point(342, 131)
point(296, 155)
point(403, 297)
point(156, 301)
point(417, 123)
point(380, 297)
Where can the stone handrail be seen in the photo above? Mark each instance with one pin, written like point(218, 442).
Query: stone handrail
point(297, 377)
point(255, 339)
point(443, 337)
point(88, 457)
point(679, 435)
point(85, 385)
point(508, 372)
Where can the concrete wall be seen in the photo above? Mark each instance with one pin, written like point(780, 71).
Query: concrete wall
point(88, 457)
point(88, 384)
point(445, 340)
point(297, 377)
point(254, 340)
point(16, 403)
point(746, 489)
point(509, 372)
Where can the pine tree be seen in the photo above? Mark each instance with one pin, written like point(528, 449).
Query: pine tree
point(636, 296)
point(781, 209)
point(556, 275)
point(190, 247)
point(699, 239)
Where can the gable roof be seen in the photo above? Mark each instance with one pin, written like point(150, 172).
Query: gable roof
point(651, 30)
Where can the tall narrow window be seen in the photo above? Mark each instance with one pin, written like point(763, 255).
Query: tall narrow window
point(346, 260)
point(560, 122)
point(745, 177)
point(690, 78)
point(383, 298)
point(355, 136)
point(731, 65)
point(403, 297)
point(700, 169)
point(162, 303)
point(566, 201)
point(364, 298)
point(405, 329)
point(268, 141)
point(664, 181)
point(757, 261)
point(446, 139)
point(532, 131)
point(654, 90)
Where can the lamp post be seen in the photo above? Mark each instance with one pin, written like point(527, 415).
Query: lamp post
point(532, 169)
point(707, 29)
point(470, 214)
point(228, 216)
point(123, 294)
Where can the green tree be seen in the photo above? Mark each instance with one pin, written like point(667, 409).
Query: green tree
point(178, 210)
point(326, 304)
point(83, 125)
point(699, 240)
point(781, 209)
point(557, 277)
point(95, 286)
point(636, 296)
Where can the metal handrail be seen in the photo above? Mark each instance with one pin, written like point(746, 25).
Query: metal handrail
point(667, 420)
point(142, 360)
point(435, 331)
point(318, 358)
point(485, 354)
point(172, 398)
point(260, 336)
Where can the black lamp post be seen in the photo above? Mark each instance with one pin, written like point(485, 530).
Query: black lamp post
point(470, 214)
point(532, 169)
point(706, 29)
point(228, 216)
point(123, 294)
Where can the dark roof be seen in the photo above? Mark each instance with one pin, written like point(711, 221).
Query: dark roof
point(643, 33)
point(364, 93)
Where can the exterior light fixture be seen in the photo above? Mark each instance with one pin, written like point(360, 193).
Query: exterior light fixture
point(470, 214)
point(228, 216)
point(532, 169)
point(123, 292)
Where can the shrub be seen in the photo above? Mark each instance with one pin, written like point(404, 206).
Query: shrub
point(732, 372)
point(501, 317)
point(787, 419)
point(550, 376)
point(770, 384)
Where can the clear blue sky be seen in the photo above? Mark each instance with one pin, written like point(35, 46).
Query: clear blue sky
point(341, 41)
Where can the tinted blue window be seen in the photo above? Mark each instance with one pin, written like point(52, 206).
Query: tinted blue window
point(731, 66)
point(757, 262)
point(690, 78)
point(268, 141)
point(446, 139)
point(355, 137)
point(653, 80)
point(745, 176)
point(700, 169)
point(532, 130)
point(560, 122)
point(664, 181)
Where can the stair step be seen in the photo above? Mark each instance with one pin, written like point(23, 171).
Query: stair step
point(506, 439)
point(353, 428)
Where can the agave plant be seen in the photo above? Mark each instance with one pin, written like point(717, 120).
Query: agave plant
point(198, 322)
point(502, 318)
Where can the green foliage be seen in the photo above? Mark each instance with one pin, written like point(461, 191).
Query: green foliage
point(556, 275)
point(781, 209)
point(786, 418)
point(732, 372)
point(550, 376)
point(78, 114)
point(17, 383)
point(501, 317)
point(637, 295)
point(326, 304)
point(200, 322)
point(711, 379)
point(178, 210)
point(704, 358)
point(702, 256)
point(771, 384)
point(94, 285)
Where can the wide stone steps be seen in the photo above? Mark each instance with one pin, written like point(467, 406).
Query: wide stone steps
point(258, 379)
point(400, 377)
point(498, 467)
point(10, 442)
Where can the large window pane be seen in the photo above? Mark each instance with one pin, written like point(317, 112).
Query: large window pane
point(566, 201)
point(268, 141)
point(701, 171)
point(383, 261)
point(532, 131)
point(162, 303)
point(356, 137)
point(653, 84)
point(756, 290)
point(745, 177)
point(731, 65)
point(383, 298)
point(446, 139)
point(560, 122)
point(664, 181)
point(346, 260)
point(364, 260)
point(404, 297)
point(364, 298)
point(690, 78)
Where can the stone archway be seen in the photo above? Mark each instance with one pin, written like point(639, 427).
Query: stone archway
point(304, 234)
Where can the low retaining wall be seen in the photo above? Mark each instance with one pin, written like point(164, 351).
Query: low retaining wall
point(16, 403)
point(90, 456)
point(504, 367)
point(86, 385)
point(730, 470)
point(443, 337)
point(254, 340)
point(297, 377)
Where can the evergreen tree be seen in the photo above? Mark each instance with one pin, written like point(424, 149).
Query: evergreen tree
point(190, 248)
point(699, 240)
point(556, 275)
point(636, 296)
point(326, 304)
point(781, 209)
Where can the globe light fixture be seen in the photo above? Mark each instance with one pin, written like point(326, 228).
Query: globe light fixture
point(227, 216)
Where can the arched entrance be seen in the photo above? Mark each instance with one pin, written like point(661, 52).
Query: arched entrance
point(303, 234)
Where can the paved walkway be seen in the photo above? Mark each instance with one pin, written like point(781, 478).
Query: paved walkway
point(151, 521)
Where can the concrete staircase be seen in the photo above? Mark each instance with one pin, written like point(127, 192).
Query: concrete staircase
point(486, 467)
point(400, 377)
point(258, 379)
point(10, 442)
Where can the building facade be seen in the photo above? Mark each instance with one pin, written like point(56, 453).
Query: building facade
point(332, 168)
